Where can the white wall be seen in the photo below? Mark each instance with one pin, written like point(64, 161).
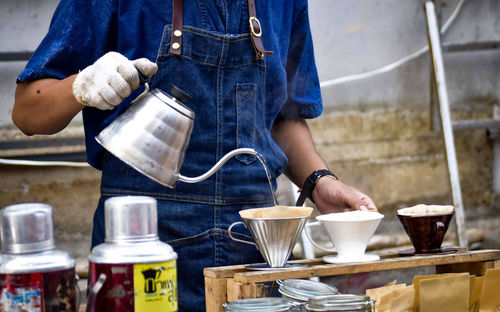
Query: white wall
point(23, 23)
point(353, 37)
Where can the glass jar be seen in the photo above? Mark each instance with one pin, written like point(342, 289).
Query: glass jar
point(298, 292)
point(344, 303)
point(270, 304)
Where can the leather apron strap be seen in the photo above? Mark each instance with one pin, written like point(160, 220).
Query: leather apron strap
point(176, 36)
point(255, 30)
point(253, 23)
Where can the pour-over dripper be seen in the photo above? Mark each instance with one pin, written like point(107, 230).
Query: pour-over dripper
point(426, 226)
point(350, 233)
point(275, 231)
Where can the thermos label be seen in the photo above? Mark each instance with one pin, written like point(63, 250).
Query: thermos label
point(155, 287)
point(22, 299)
point(38, 292)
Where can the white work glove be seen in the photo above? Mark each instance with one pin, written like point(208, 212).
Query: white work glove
point(110, 79)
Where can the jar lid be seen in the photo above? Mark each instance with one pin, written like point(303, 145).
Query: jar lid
point(27, 228)
point(269, 304)
point(302, 290)
point(341, 302)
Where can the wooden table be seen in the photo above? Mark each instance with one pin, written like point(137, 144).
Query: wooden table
point(224, 284)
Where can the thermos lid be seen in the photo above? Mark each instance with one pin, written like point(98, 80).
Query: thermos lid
point(130, 218)
point(131, 233)
point(27, 228)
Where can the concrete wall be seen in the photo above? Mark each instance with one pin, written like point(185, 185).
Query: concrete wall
point(375, 133)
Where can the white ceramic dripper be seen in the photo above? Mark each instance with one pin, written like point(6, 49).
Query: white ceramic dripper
point(350, 233)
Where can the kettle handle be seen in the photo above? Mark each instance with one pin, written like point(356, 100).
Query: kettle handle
point(217, 166)
point(142, 78)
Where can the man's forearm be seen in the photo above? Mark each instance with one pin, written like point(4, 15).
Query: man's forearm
point(44, 106)
point(294, 138)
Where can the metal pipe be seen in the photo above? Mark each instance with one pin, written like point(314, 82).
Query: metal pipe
point(495, 137)
point(15, 56)
point(442, 96)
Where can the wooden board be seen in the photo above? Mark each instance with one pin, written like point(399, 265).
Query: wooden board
point(240, 283)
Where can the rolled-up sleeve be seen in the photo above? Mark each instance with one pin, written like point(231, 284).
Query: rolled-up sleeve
point(304, 94)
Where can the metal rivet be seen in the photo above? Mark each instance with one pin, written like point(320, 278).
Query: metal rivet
point(177, 33)
point(176, 46)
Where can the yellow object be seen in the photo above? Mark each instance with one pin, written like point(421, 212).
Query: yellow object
point(445, 294)
point(416, 285)
point(155, 287)
point(490, 294)
point(475, 293)
point(392, 297)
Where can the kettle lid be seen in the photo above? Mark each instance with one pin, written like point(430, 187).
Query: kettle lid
point(174, 102)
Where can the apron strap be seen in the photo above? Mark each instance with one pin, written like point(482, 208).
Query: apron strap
point(176, 35)
point(253, 22)
point(256, 30)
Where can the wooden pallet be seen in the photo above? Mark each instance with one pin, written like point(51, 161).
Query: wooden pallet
point(224, 284)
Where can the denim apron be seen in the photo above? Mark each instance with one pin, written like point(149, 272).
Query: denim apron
point(227, 84)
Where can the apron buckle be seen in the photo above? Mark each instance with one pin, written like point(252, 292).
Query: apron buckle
point(257, 33)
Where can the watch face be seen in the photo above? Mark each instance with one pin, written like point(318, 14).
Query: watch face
point(321, 173)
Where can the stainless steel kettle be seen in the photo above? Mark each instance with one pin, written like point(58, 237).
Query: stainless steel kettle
point(152, 136)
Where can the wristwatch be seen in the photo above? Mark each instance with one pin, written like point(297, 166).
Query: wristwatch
point(310, 184)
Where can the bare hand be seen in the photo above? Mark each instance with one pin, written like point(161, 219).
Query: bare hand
point(331, 195)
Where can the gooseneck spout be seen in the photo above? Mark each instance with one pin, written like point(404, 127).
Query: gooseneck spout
point(217, 166)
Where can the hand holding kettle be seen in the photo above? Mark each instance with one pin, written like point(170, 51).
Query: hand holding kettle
point(110, 79)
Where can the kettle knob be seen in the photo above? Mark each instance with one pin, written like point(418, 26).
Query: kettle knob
point(180, 95)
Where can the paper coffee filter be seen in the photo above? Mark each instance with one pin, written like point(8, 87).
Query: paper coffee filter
point(276, 212)
point(425, 210)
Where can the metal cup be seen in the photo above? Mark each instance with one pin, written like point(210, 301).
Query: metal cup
point(27, 228)
point(276, 236)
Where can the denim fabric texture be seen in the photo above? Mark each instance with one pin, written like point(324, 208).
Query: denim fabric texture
point(236, 98)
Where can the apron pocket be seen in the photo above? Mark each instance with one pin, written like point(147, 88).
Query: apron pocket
point(246, 101)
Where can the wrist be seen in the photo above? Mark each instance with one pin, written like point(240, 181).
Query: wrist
point(310, 184)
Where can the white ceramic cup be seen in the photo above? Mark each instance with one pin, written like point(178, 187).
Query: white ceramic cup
point(349, 231)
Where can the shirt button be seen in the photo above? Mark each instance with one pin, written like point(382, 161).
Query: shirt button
point(176, 46)
point(177, 33)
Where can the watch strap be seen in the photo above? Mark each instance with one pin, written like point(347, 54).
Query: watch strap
point(310, 184)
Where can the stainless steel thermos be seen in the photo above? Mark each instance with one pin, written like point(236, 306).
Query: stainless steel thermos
point(34, 276)
point(132, 270)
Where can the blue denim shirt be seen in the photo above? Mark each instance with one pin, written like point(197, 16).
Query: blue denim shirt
point(81, 31)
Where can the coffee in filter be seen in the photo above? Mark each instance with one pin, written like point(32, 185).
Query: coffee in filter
point(276, 212)
point(426, 210)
